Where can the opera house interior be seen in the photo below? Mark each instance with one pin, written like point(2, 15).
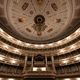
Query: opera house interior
point(39, 39)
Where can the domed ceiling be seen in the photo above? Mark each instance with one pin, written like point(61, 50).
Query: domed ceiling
point(39, 21)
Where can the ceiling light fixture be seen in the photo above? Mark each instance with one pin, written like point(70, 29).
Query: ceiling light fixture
point(77, 78)
point(27, 44)
point(65, 61)
point(41, 45)
point(0, 78)
point(51, 44)
point(62, 50)
point(10, 37)
point(68, 38)
point(77, 58)
point(35, 68)
point(36, 45)
point(10, 79)
point(72, 46)
point(16, 50)
point(67, 79)
point(43, 68)
point(1, 30)
point(1, 57)
point(77, 32)
point(18, 41)
point(13, 61)
point(59, 42)
point(5, 46)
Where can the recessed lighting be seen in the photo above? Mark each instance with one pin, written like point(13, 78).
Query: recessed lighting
point(77, 58)
point(51, 44)
point(65, 61)
point(43, 68)
point(67, 79)
point(77, 31)
point(41, 45)
point(16, 50)
point(62, 50)
point(6, 46)
point(19, 42)
point(1, 30)
point(77, 78)
point(27, 44)
point(13, 61)
point(72, 46)
point(59, 42)
point(35, 68)
point(10, 79)
point(0, 78)
point(1, 58)
point(10, 37)
point(68, 38)
point(36, 45)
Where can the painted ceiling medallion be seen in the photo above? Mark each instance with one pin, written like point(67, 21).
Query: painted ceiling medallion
point(40, 2)
point(39, 25)
point(27, 29)
point(39, 21)
point(21, 19)
point(54, 6)
point(25, 5)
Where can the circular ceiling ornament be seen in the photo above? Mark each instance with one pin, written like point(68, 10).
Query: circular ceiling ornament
point(39, 21)
point(39, 25)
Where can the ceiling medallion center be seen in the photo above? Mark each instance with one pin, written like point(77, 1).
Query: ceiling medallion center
point(39, 20)
point(39, 25)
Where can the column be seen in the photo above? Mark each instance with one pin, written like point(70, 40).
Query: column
point(53, 64)
point(46, 63)
point(25, 64)
point(32, 64)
